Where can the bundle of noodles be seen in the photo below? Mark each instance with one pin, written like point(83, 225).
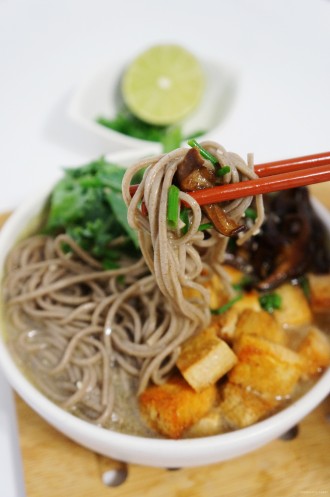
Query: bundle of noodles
point(82, 332)
point(181, 260)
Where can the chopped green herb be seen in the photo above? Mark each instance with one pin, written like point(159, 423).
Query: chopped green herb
point(205, 226)
point(171, 138)
point(87, 204)
point(305, 286)
point(204, 153)
point(228, 305)
point(137, 178)
point(121, 279)
point(251, 213)
point(243, 283)
point(195, 134)
point(110, 264)
point(184, 216)
point(126, 123)
point(173, 206)
point(270, 301)
point(223, 170)
point(119, 209)
point(231, 245)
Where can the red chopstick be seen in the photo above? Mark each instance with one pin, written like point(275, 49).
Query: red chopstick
point(273, 177)
point(295, 164)
point(274, 183)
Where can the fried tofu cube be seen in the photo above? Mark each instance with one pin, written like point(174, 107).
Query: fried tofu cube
point(226, 322)
point(260, 323)
point(191, 293)
point(211, 424)
point(204, 359)
point(265, 367)
point(218, 294)
point(319, 285)
point(234, 275)
point(295, 309)
point(173, 407)
point(241, 407)
point(315, 349)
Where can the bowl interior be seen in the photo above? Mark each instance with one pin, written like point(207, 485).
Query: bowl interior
point(139, 450)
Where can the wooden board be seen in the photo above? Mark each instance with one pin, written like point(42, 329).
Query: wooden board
point(54, 466)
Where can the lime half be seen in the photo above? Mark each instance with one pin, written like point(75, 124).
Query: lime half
point(163, 84)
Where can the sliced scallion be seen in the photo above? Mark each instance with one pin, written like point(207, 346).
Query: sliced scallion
point(223, 170)
point(270, 301)
point(251, 213)
point(173, 206)
point(227, 305)
point(121, 279)
point(245, 281)
point(204, 153)
point(205, 226)
point(304, 285)
point(184, 216)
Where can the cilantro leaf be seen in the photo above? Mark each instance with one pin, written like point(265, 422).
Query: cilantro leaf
point(87, 204)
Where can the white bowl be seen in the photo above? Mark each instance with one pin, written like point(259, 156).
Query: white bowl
point(99, 95)
point(133, 449)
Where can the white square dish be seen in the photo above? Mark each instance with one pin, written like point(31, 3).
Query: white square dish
point(99, 95)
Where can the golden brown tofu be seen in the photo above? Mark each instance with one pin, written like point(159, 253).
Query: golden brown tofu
point(241, 407)
point(265, 367)
point(227, 321)
point(218, 294)
point(204, 359)
point(211, 424)
point(295, 310)
point(234, 275)
point(173, 407)
point(319, 292)
point(315, 349)
point(260, 323)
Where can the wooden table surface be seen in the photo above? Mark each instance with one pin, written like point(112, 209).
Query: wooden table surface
point(54, 466)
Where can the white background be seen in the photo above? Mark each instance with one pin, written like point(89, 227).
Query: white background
point(279, 49)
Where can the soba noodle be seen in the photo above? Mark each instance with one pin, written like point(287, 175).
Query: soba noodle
point(83, 330)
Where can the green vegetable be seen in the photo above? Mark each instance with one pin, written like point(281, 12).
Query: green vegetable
point(204, 153)
point(305, 286)
point(195, 134)
point(173, 206)
point(119, 209)
point(223, 170)
point(251, 213)
point(126, 123)
point(243, 283)
point(121, 279)
point(270, 301)
point(87, 204)
point(171, 138)
point(205, 226)
point(231, 245)
point(184, 216)
point(227, 305)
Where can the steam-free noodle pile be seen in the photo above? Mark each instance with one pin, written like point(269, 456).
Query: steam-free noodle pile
point(82, 331)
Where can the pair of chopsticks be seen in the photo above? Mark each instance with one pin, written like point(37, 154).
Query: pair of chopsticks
point(273, 177)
